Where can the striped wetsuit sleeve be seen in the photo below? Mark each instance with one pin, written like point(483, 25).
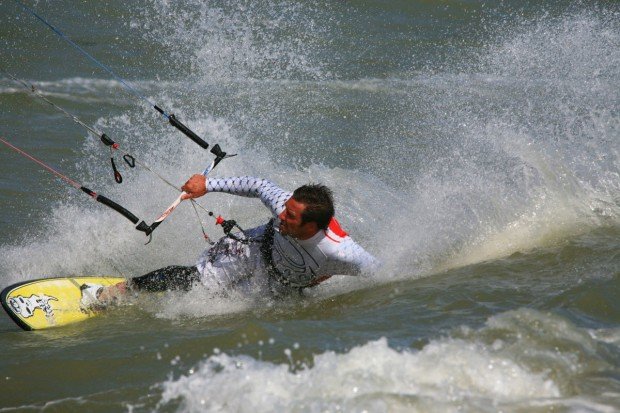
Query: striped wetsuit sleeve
point(270, 194)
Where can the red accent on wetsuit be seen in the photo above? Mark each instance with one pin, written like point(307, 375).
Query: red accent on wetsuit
point(334, 226)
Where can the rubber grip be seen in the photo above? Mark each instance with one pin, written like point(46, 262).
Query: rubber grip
point(124, 212)
point(187, 131)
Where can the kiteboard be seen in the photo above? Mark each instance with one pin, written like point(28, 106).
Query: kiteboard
point(50, 302)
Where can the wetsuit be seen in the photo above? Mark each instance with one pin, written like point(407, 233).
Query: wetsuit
point(261, 258)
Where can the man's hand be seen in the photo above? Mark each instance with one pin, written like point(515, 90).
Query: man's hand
point(195, 187)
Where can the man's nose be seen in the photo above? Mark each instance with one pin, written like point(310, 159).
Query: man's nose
point(282, 215)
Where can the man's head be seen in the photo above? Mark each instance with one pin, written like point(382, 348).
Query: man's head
point(309, 210)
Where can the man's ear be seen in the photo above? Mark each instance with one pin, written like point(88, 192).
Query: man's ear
point(314, 226)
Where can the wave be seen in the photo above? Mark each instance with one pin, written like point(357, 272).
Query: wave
point(509, 364)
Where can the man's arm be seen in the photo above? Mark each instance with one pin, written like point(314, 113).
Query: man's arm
point(350, 259)
point(356, 258)
point(270, 194)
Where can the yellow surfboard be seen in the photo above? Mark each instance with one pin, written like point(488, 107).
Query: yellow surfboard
point(50, 302)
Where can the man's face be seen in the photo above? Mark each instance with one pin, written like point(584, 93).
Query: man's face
point(290, 221)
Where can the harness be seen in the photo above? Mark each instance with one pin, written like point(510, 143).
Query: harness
point(266, 249)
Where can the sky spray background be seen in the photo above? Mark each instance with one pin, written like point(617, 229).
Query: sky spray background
point(436, 163)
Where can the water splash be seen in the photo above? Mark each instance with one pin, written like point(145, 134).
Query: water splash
point(497, 367)
point(508, 150)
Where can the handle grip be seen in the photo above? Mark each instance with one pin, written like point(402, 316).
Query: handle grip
point(111, 204)
point(187, 132)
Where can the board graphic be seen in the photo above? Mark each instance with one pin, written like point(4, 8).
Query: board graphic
point(50, 302)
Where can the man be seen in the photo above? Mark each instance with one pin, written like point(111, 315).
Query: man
point(300, 247)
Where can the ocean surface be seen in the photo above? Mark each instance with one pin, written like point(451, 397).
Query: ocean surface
point(472, 146)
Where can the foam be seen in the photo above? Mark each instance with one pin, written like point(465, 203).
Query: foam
point(445, 374)
point(519, 359)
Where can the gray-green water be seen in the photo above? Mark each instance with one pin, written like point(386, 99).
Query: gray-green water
point(472, 146)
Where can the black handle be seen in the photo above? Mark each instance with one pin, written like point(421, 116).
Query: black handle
point(121, 210)
point(109, 203)
point(187, 131)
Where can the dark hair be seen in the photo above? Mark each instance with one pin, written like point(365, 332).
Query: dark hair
point(319, 204)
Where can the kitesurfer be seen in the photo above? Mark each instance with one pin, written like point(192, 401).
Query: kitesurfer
point(301, 246)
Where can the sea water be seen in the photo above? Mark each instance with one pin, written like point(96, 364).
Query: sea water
point(472, 147)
